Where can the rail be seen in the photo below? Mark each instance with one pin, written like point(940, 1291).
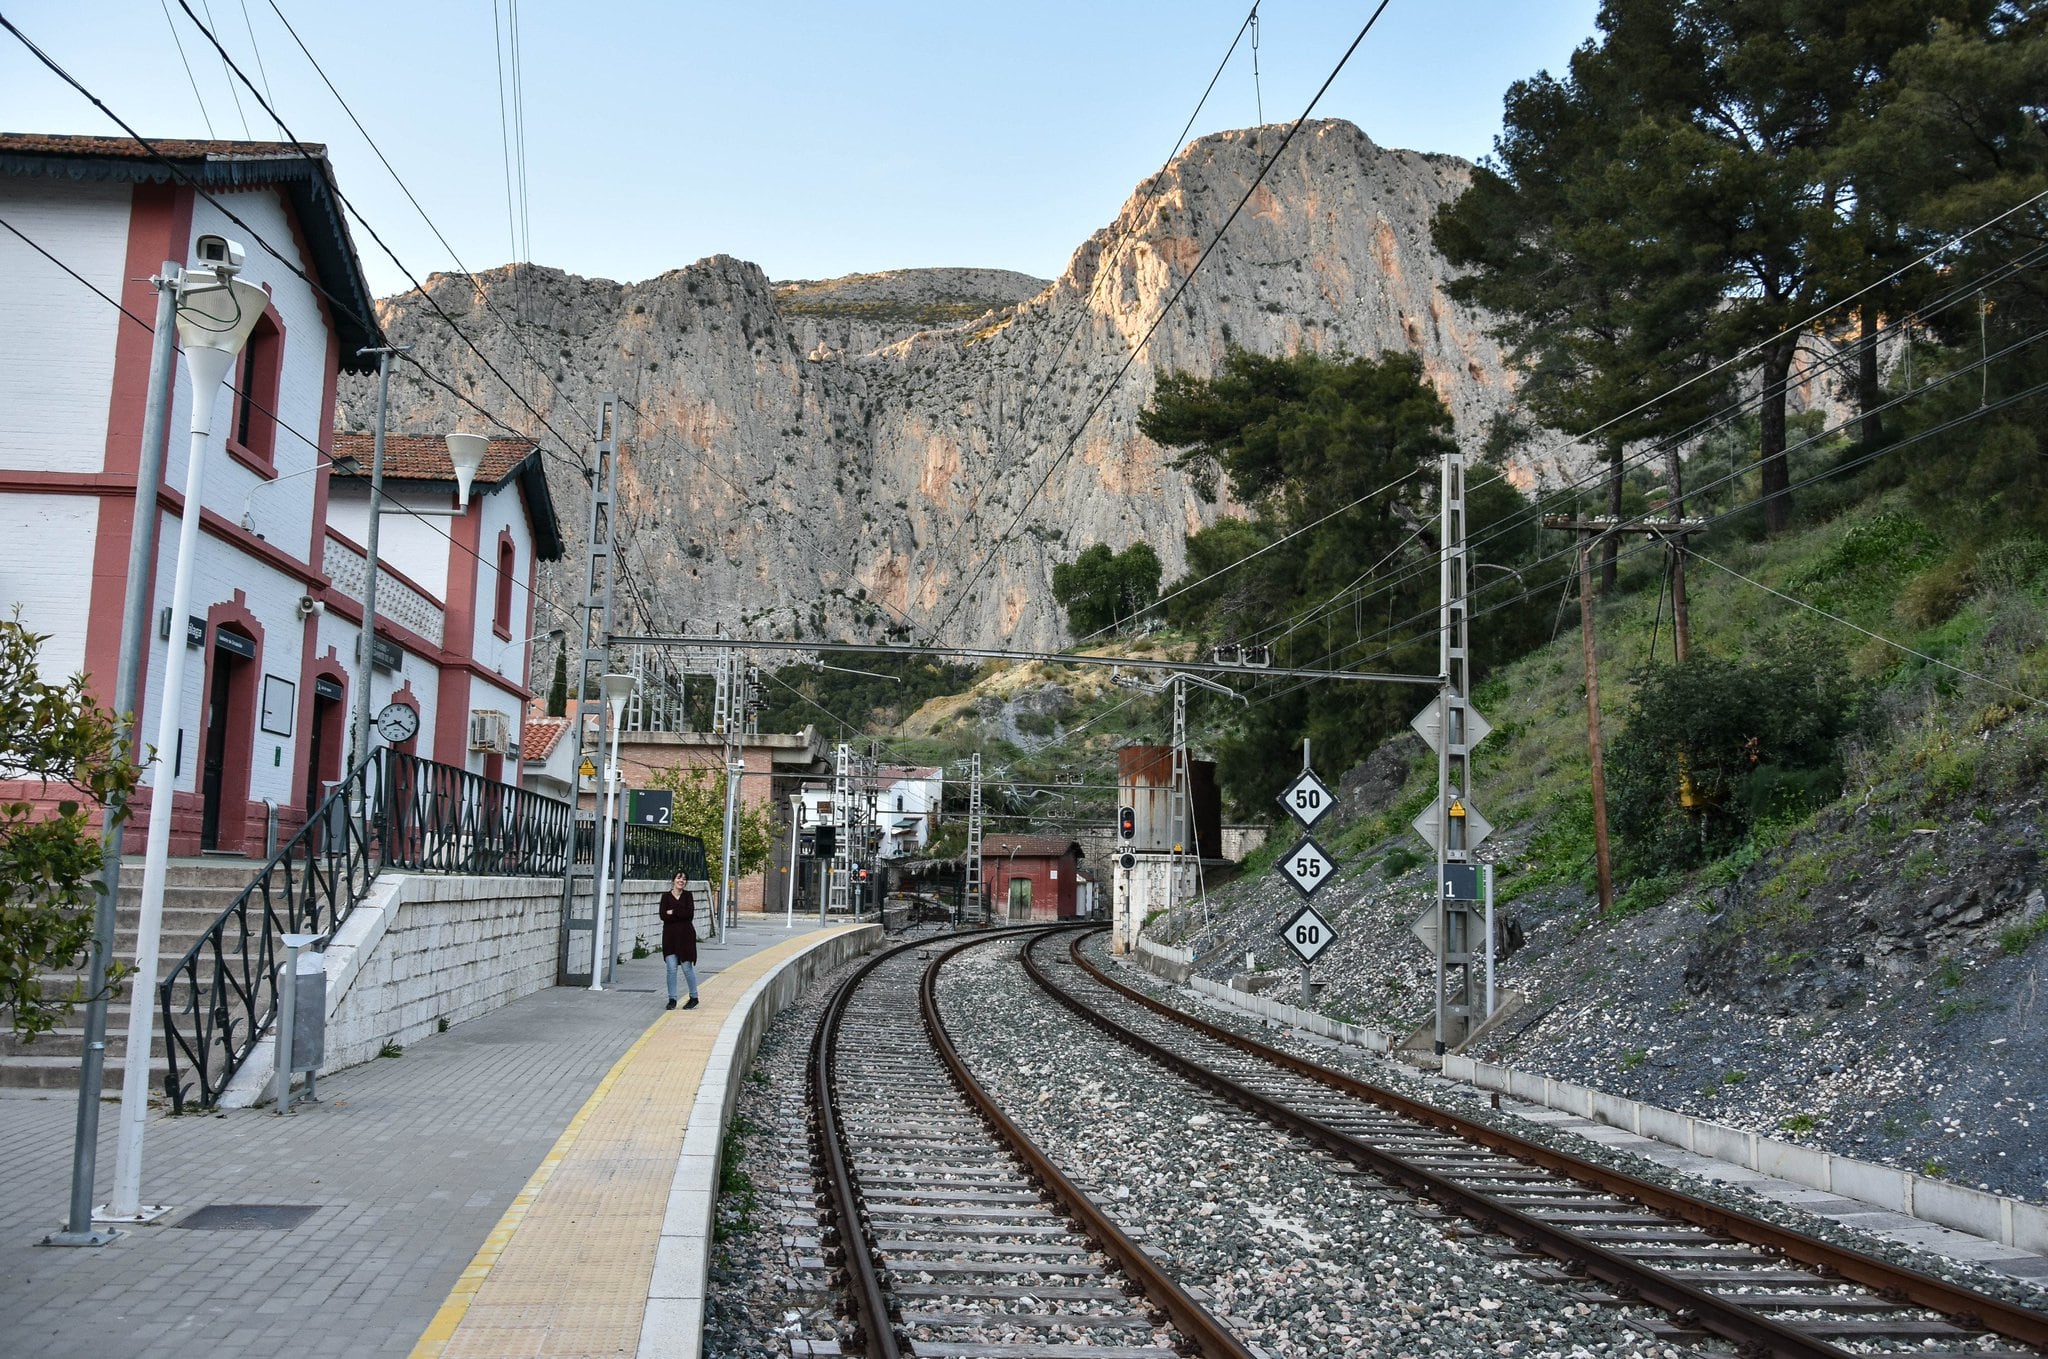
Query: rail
point(393, 811)
point(1724, 1316)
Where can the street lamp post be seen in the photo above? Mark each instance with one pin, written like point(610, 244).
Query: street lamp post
point(78, 1228)
point(214, 320)
point(617, 689)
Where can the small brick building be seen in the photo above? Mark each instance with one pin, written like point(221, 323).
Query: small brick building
point(1031, 877)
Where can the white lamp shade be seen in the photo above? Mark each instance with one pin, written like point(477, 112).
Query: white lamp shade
point(617, 689)
point(466, 451)
point(213, 324)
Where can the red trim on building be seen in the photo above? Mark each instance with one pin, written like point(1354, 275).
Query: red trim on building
point(458, 636)
point(236, 811)
point(258, 374)
point(507, 573)
point(383, 568)
point(330, 383)
point(159, 227)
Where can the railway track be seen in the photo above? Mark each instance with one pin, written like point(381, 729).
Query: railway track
point(950, 1233)
point(1608, 1236)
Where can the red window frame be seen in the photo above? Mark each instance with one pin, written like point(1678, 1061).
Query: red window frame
point(508, 566)
point(252, 435)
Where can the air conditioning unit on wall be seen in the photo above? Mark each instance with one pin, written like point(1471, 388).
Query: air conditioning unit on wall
point(490, 731)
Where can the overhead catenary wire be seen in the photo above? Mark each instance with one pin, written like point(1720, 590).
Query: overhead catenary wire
point(1966, 370)
point(1543, 504)
point(575, 456)
point(149, 328)
point(1165, 310)
point(178, 41)
point(339, 304)
point(477, 288)
point(1124, 227)
point(1842, 469)
point(1957, 294)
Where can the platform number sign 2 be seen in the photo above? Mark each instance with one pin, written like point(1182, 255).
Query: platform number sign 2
point(1308, 799)
point(1308, 934)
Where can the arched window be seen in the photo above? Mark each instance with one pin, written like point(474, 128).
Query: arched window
point(254, 435)
point(508, 562)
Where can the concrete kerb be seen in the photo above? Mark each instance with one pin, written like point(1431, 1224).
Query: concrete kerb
point(673, 1325)
point(1992, 1217)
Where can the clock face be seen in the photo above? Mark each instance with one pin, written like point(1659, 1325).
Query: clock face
point(397, 723)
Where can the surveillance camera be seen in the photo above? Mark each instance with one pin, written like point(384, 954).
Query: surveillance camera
point(219, 254)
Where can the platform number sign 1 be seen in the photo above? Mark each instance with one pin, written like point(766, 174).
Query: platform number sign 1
point(1308, 934)
point(1307, 799)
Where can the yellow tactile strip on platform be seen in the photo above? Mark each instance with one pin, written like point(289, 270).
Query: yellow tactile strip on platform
point(566, 1269)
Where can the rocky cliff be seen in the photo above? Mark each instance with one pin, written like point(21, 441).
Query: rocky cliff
point(810, 459)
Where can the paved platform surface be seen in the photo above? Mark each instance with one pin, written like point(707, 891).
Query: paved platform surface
point(411, 1164)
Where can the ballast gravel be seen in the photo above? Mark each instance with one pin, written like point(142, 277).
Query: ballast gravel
point(1305, 1255)
point(1475, 1105)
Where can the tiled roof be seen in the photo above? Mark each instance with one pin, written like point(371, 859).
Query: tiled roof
point(176, 148)
point(302, 175)
point(1027, 846)
point(424, 457)
point(541, 737)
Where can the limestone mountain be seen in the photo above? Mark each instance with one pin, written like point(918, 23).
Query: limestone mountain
point(812, 459)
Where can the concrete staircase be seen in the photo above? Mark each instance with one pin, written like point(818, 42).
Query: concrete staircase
point(196, 891)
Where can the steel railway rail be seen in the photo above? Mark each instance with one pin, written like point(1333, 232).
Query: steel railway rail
point(943, 1229)
point(1715, 1270)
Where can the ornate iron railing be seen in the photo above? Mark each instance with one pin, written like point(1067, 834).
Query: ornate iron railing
point(222, 995)
point(394, 811)
point(441, 818)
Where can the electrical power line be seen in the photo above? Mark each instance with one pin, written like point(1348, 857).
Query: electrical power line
point(1165, 310)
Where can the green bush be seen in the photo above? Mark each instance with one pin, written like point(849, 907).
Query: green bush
point(1742, 744)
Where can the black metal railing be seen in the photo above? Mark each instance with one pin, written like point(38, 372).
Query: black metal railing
point(442, 818)
point(652, 852)
point(395, 811)
point(222, 995)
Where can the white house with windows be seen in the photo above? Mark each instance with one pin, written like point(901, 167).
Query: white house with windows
point(262, 718)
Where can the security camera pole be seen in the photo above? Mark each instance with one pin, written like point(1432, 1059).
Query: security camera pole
point(149, 474)
point(214, 321)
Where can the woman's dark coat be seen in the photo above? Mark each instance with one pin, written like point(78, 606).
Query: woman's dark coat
point(679, 926)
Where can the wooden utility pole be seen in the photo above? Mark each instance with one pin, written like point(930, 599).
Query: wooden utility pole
point(1602, 864)
point(1591, 531)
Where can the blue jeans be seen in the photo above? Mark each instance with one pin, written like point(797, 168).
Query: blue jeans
point(689, 972)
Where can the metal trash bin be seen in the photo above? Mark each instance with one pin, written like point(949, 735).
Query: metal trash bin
point(309, 1014)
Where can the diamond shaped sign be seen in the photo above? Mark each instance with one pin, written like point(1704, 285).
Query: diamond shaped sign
point(1477, 827)
point(1307, 867)
point(1429, 725)
point(1308, 934)
point(1308, 799)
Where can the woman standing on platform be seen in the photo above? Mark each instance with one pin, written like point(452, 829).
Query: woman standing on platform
point(679, 937)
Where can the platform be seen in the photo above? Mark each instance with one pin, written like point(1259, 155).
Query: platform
point(517, 1185)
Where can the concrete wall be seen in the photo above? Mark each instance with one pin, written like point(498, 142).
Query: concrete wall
point(422, 948)
point(2011, 1222)
point(674, 1320)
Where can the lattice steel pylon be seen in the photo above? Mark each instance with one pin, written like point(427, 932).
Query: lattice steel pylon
point(1454, 760)
point(972, 889)
point(1177, 806)
point(594, 612)
point(842, 847)
point(727, 712)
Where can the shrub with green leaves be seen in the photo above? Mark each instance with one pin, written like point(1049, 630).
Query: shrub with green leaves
point(55, 736)
point(1755, 742)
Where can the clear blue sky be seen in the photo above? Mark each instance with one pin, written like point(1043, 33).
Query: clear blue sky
point(815, 139)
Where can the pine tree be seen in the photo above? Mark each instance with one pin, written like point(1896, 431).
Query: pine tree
point(558, 688)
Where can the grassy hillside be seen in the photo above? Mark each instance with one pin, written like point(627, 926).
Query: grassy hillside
point(1862, 973)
